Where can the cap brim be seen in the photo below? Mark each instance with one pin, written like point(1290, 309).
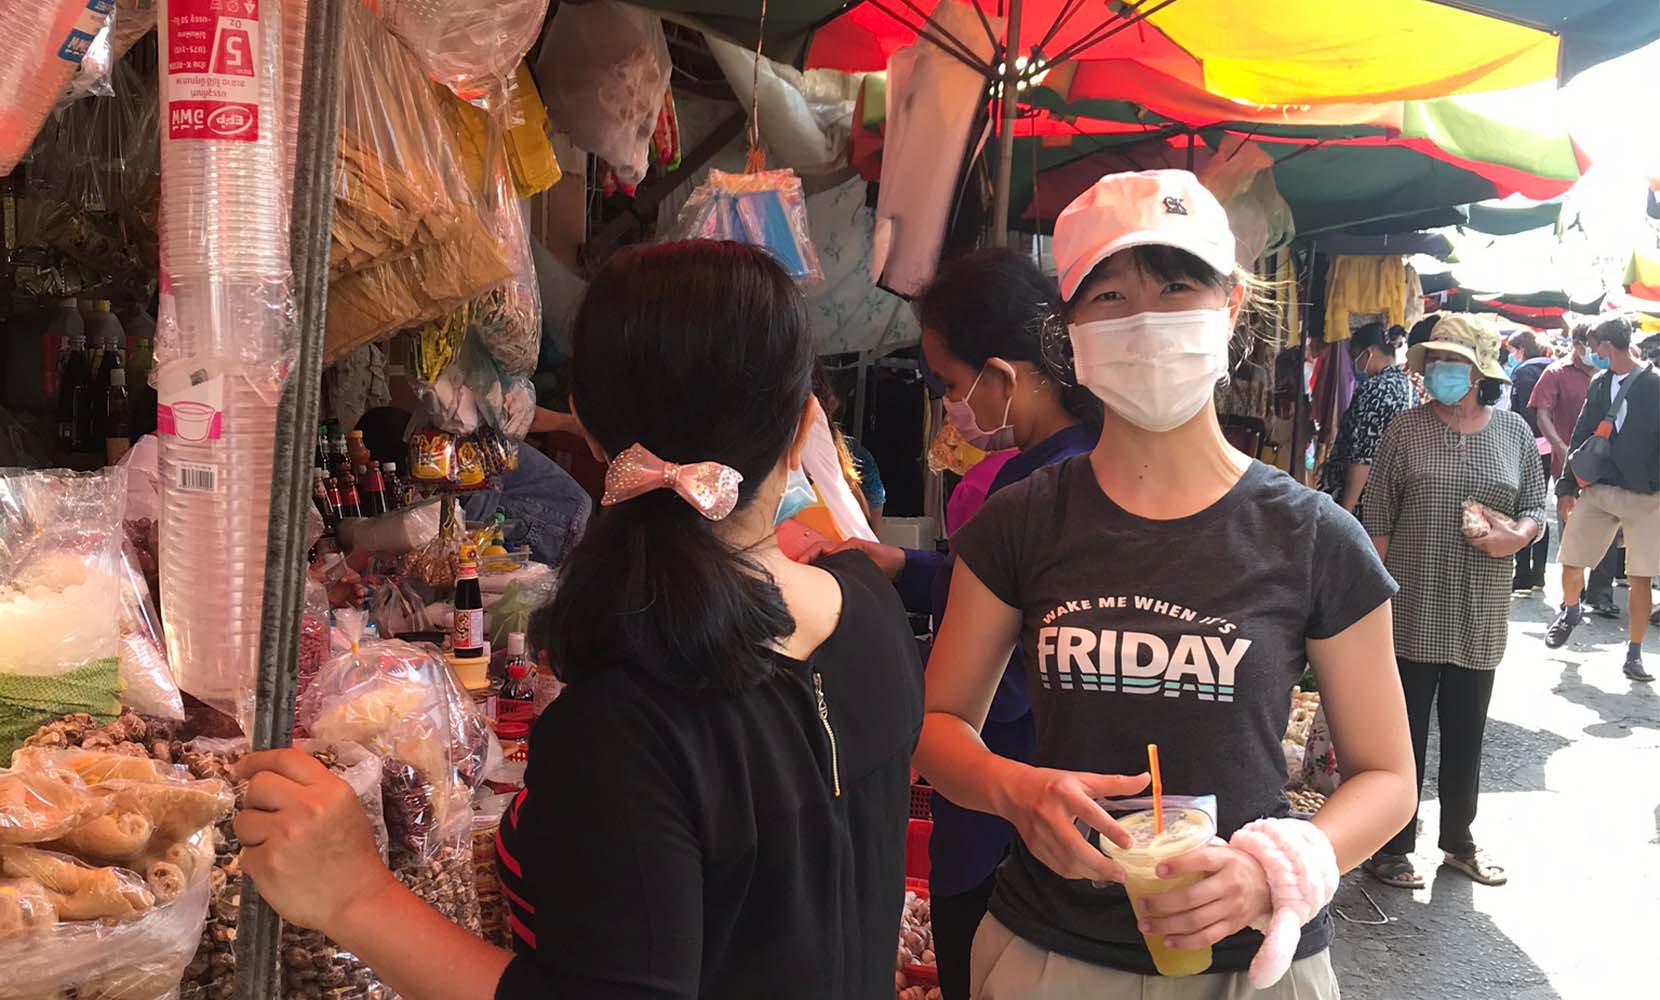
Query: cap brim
point(1487, 367)
point(1076, 274)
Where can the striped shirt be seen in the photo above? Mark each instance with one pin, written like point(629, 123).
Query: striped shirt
point(1454, 602)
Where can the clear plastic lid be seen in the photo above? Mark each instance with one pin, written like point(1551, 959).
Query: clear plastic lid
point(1184, 829)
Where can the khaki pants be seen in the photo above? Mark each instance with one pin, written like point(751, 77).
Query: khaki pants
point(1007, 967)
point(1600, 514)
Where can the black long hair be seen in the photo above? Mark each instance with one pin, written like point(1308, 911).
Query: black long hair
point(997, 303)
point(698, 351)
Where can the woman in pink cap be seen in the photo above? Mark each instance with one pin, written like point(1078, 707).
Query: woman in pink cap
point(1167, 589)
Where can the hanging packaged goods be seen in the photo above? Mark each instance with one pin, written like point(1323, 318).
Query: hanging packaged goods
point(41, 44)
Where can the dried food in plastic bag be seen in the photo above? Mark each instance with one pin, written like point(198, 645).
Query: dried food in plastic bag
point(79, 891)
point(507, 319)
point(469, 46)
point(408, 246)
point(401, 701)
point(42, 805)
point(25, 906)
point(95, 766)
point(138, 957)
point(603, 69)
point(766, 209)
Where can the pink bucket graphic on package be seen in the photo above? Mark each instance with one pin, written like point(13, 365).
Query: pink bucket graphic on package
point(190, 421)
point(193, 413)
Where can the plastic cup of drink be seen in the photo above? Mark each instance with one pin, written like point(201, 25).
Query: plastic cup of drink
point(1184, 830)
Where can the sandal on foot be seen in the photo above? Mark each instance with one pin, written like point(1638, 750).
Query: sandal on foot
point(1394, 870)
point(1478, 866)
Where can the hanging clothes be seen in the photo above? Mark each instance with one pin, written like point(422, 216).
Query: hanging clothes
point(1414, 298)
point(932, 100)
point(1361, 290)
point(1334, 388)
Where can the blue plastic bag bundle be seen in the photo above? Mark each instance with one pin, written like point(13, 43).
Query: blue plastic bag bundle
point(765, 209)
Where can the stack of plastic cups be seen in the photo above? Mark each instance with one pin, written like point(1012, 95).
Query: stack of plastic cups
point(41, 43)
point(224, 335)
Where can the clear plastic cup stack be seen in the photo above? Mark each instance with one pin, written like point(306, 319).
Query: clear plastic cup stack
point(225, 332)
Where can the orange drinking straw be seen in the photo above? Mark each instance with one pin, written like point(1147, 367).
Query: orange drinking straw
point(1158, 787)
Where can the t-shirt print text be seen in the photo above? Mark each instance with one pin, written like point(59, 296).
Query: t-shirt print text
point(1200, 661)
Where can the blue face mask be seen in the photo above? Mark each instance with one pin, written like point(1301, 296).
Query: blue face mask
point(1600, 362)
point(1361, 374)
point(798, 496)
point(1447, 381)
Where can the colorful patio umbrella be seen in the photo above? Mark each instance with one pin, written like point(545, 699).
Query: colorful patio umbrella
point(1286, 52)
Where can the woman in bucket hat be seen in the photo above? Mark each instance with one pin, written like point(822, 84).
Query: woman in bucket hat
point(1455, 562)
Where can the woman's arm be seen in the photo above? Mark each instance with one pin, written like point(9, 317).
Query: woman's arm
point(609, 830)
point(306, 843)
point(1354, 482)
point(1360, 690)
point(970, 653)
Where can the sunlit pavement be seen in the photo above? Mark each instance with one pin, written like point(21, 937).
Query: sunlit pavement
point(1570, 806)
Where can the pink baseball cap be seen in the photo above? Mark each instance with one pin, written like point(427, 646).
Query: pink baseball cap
point(1150, 208)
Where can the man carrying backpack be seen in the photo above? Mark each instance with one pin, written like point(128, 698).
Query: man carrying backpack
point(1614, 468)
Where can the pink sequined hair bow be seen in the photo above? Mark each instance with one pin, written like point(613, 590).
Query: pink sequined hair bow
point(710, 487)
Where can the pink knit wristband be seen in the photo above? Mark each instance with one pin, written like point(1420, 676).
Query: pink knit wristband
point(1302, 878)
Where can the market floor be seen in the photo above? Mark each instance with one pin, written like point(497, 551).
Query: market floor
point(1570, 806)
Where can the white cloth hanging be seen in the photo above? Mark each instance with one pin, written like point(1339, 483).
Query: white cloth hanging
point(931, 105)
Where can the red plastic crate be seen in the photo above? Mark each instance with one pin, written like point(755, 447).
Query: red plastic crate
point(916, 849)
point(922, 801)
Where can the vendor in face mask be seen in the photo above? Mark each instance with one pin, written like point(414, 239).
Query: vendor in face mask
point(1163, 588)
point(984, 323)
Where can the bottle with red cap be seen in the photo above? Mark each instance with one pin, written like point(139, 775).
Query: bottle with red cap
point(519, 680)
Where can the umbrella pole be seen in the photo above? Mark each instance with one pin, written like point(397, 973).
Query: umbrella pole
point(1005, 132)
point(259, 928)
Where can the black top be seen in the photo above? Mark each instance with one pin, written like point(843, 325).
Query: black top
point(1636, 445)
point(684, 844)
point(1188, 633)
point(1522, 382)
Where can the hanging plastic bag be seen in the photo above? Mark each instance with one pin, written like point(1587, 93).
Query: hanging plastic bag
point(766, 209)
point(41, 44)
point(407, 244)
point(603, 70)
point(469, 46)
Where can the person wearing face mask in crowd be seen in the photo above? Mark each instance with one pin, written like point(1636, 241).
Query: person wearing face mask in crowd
point(1385, 391)
point(716, 805)
point(1556, 401)
point(1625, 499)
point(1531, 360)
point(983, 322)
point(1452, 614)
point(1163, 588)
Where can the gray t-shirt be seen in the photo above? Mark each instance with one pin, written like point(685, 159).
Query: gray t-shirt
point(1187, 633)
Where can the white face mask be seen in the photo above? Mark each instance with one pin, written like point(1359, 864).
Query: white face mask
point(962, 418)
point(1154, 369)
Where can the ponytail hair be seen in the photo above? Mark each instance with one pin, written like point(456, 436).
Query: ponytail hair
point(997, 303)
point(698, 351)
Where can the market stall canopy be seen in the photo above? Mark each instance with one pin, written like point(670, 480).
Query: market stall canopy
point(1287, 52)
point(1591, 31)
point(1332, 176)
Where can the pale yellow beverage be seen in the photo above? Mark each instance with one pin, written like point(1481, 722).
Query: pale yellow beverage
point(1184, 830)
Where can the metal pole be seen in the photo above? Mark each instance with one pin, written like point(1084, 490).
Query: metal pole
point(1005, 134)
point(258, 927)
